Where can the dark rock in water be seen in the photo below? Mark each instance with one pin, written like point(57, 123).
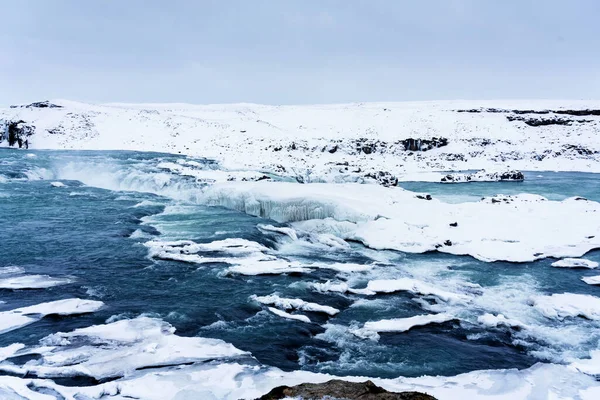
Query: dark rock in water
point(483, 176)
point(39, 104)
point(338, 389)
point(424, 197)
point(454, 224)
point(512, 176)
point(423, 144)
point(383, 178)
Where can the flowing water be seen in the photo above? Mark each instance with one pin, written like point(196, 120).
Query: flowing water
point(92, 230)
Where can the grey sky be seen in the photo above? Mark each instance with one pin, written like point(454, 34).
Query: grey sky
point(298, 51)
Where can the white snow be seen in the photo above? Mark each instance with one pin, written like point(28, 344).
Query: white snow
point(371, 328)
point(20, 317)
point(283, 314)
point(560, 306)
point(298, 140)
point(32, 282)
point(294, 304)
point(575, 263)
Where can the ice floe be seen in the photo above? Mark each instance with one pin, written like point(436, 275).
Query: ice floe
point(410, 285)
point(564, 305)
point(575, 263)
point(294, 304)
point(283, 314)
point(32, 282)
point(58, 184)
point(371, 329)
point(20, 317)
point(591, 280)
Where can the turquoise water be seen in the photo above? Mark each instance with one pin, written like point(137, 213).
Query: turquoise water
point(93, 231)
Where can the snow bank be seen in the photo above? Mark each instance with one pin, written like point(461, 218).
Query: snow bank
point(32, 282)
point(20, 317)
point(395, 219)
point(561, 306)
point(294, 304)
point(575, 263)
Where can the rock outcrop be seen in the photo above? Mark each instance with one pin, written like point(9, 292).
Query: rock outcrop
point(38, 104)
point(16, 133)
point(338, 389)
point(483, 176)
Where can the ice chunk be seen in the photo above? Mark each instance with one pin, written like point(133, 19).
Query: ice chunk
point(560, 306)
point(400, 324)
point(589, 366)
point(17, 318)
point(294, 304)
point(9, 351)
point(283, 314)
point(32, 282)
point(267, 266)
point(575, 263)
point(591, 280)
point(57, 184)
point(409, 285)
point(329, 286)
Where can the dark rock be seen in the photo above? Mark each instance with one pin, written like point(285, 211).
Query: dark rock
point(383, 178)
point(423, 144)
point(512, 176)
point(338, 389)
point(590, 237)
point(424, 197)
point(580, 199)
point(454, 224)
point(578, 149)
point(333, 149)
point(546, 121)
point(447, 243)
point(262, 178)
point(39, 104)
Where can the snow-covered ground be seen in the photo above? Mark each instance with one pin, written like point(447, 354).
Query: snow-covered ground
point(344, 142)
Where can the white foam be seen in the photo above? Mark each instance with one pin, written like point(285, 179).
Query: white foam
point(58, 184)
point(294, 304)
point(493, 321)
point(575, 263)
point(329, 286)
point(32, 282)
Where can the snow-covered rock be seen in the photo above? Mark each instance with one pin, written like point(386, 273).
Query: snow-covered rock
point(483, 176)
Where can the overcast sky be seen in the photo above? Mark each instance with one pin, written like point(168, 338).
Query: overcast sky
point(298, 51)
